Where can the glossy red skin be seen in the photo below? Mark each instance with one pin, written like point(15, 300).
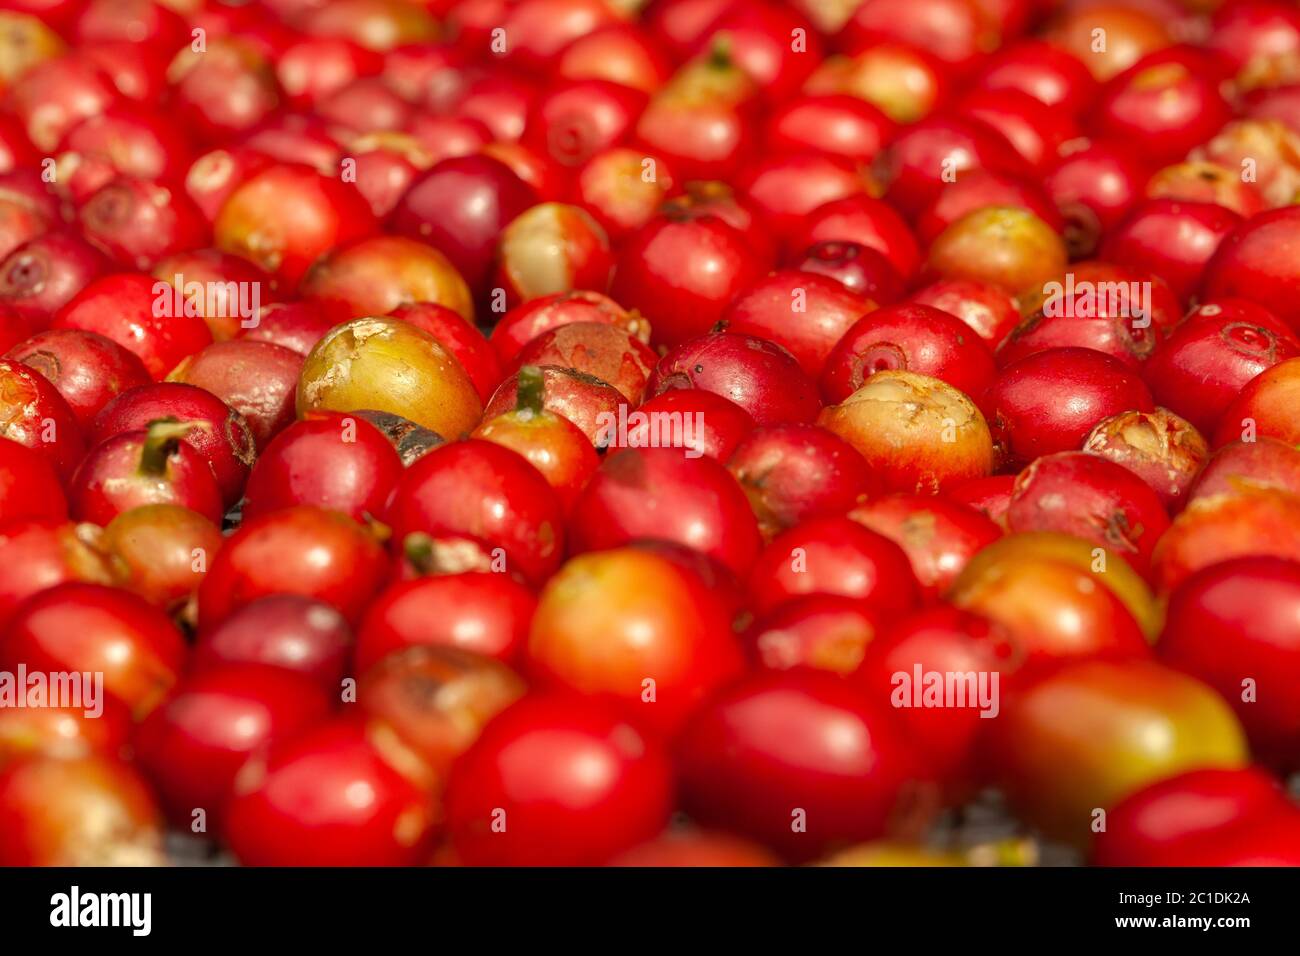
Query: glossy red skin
point(758, 38)
point(28, 188)
point(660, 493)
point(681, 24)
point(40, 553)
point(327, 214)
point(299, 804)
point(1035, 130)
point(1044, 71)
point(622, 53)
point(579, 398)
point(795, 472)
point(122, 141)
point(39, 277)
point(837, 556)
point(1189, 816)
point(835, 123)
point(576, 783)
point(1163, 105)
point(990, 496)
point(29, 485)
point(226, 442)
point(34, 414)
point(989, 311)
point(575, 119)
point(545, 176)
point(916, 338)
point(681, 273)
point(955, 31)
point(63, 732)
point(446, 137)
point(604, 351)
point(759, 376)
point(76, 626)
point(500, 101)
point(1090, 497)
point(1165, 451)
point(365, 105)
point(723, 424)
point(109, 481)
point(1263, 407)
point(193, 746)
point(284, 631)
point(865, 220)
point(384, 175)
point(1237, 621)
point(52, 97)
point(138, 20)
point(1207, 361)
point(486, 492)
point(977, 189)
point(122, 308)
point(218, 268)
point(777, 742)
point(940, 639)
point(300, 550)
point(138, 75)
point(1243, 31)
point(540, 29)
point(1254, 520)
point(702, 199)
point(484, 612)
point(1094, 187)
point(1116, 336)
point(15, 149)
point(257, 379)
point(1173, 240)
point(1281, 103)
point(313, 67)
point(87, 369)
point(1260, 261)
point(13, 329)
point(214, 175)
point(138, 221)
point(296, 325)
point(767, 310)
point(623, 189)
point(861, 270)
point(938, 535)
point(21, 221)
point(823, 632)
point(1164, 308)
point(1265, 462)
point(1049, 401)
point(293, 139)
point(913, 165)
point(330, 460)
point(701, 139)
point(228, 89)
point(609, 622)
point(787, 188)
point(526, 322)
point(459, 207)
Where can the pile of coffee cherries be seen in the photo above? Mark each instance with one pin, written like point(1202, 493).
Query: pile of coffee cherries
point(679, 432)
